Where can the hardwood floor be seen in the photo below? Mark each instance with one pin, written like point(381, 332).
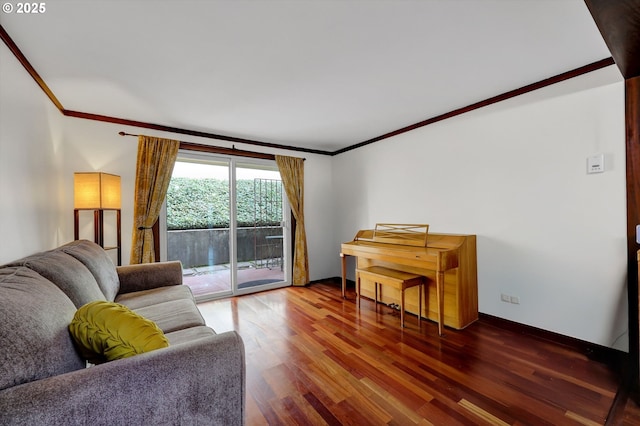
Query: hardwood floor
point(313, 358)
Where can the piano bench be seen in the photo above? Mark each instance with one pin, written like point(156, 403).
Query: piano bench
point(399, 280)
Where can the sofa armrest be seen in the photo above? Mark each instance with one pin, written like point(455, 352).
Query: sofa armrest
point(198, 382)
point(146, 276)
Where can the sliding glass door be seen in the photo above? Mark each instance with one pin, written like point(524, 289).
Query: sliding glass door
point(226, 222)
point(260, 231)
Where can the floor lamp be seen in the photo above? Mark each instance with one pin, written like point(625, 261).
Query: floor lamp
point(98, 192)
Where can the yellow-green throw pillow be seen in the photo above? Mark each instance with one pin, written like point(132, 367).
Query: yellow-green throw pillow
point(106, 331)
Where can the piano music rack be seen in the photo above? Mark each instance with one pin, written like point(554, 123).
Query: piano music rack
point(400, 233)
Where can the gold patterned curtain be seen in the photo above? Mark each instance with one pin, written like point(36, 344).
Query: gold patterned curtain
point(292, 173)
point(156, 157)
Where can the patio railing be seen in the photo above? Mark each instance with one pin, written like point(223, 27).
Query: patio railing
point(198, 247)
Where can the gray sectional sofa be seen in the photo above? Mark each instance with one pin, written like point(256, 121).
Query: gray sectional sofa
point(198, 379)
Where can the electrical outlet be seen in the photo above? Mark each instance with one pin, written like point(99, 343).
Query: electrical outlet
point(510, 299)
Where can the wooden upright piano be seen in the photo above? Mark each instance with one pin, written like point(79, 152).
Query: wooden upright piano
point(448, 259)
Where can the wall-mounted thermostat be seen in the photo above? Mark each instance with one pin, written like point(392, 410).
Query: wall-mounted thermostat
point(595, 164)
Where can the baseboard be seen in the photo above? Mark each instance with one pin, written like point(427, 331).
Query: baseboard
point(334, 280)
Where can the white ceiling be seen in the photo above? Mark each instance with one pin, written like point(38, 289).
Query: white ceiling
point(318, 74)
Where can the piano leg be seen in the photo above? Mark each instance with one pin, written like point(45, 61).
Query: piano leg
point(402, 308)
point(344, 275)
point(440, 296)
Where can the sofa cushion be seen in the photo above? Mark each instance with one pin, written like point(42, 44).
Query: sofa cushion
point(68, 273)
point(154, 296)
point(34, 338)
point(145, 276)
point(173, 315)
point(189, 334)
point(106, 331)
point(99, 264)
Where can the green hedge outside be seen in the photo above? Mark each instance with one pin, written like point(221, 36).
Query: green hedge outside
point(204, 204)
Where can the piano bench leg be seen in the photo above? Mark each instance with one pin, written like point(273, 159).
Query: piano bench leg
point(402, 298)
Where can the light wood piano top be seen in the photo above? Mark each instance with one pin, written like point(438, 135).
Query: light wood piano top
point(440, 254)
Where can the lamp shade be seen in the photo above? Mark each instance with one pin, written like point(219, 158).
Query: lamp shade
point(96, 190)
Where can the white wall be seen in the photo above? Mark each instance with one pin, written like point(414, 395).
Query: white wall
point(515, 175)
point(30, 190)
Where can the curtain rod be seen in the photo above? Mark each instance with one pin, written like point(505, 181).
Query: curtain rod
point(218, 149)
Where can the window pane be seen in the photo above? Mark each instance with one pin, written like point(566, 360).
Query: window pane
point(198, 225)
